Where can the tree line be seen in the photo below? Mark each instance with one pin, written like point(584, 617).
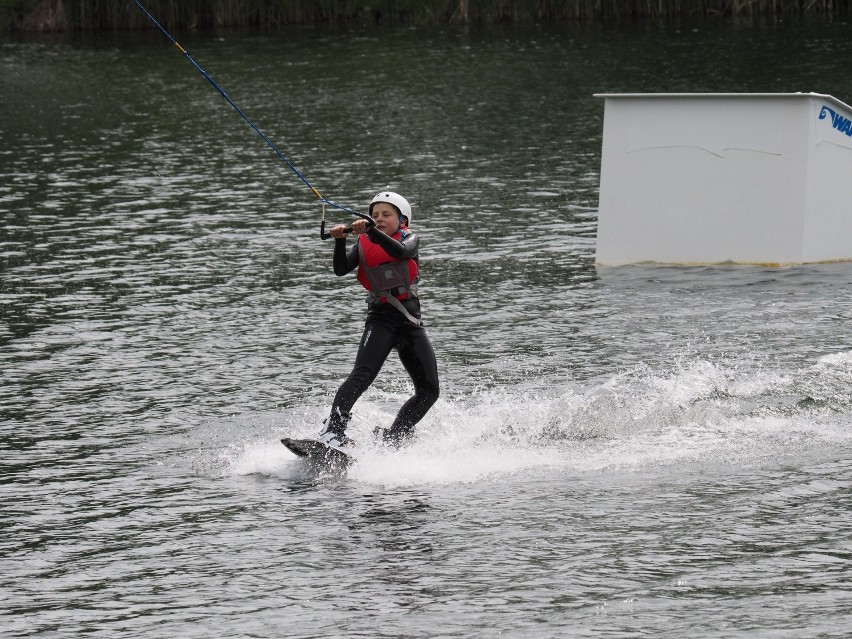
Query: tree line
point(99, 15)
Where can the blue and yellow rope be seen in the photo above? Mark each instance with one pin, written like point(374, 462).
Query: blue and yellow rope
point(245, 117)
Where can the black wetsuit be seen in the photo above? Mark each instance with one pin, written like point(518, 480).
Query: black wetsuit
point(387, 329)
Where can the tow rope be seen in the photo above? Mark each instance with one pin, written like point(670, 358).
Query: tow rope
point(323, 234)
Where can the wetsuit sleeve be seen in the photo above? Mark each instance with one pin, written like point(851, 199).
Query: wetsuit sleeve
point(406, 249)
point(344, 261)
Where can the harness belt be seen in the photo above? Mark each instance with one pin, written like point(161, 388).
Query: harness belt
point(390, 299)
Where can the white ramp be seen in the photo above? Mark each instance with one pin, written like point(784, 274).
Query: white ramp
point(710, 178)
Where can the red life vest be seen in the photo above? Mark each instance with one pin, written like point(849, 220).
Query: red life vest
point(384, 275)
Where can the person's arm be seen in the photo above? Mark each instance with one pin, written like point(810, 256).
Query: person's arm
point(405, 249)
point(344, 261)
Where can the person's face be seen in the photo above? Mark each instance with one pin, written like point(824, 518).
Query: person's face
point(385, 217)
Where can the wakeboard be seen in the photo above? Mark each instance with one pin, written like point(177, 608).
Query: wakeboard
point(319, 453)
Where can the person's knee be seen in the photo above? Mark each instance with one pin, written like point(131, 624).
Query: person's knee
point(429, 393)
point(362, 376)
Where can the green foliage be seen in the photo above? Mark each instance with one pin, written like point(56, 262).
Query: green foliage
point(79, 15)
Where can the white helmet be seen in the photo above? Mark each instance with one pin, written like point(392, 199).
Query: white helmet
point(396, 200)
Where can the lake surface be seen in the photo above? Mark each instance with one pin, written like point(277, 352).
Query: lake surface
point(634, 451)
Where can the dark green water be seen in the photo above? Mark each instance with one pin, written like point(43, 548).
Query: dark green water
point(616, 452)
